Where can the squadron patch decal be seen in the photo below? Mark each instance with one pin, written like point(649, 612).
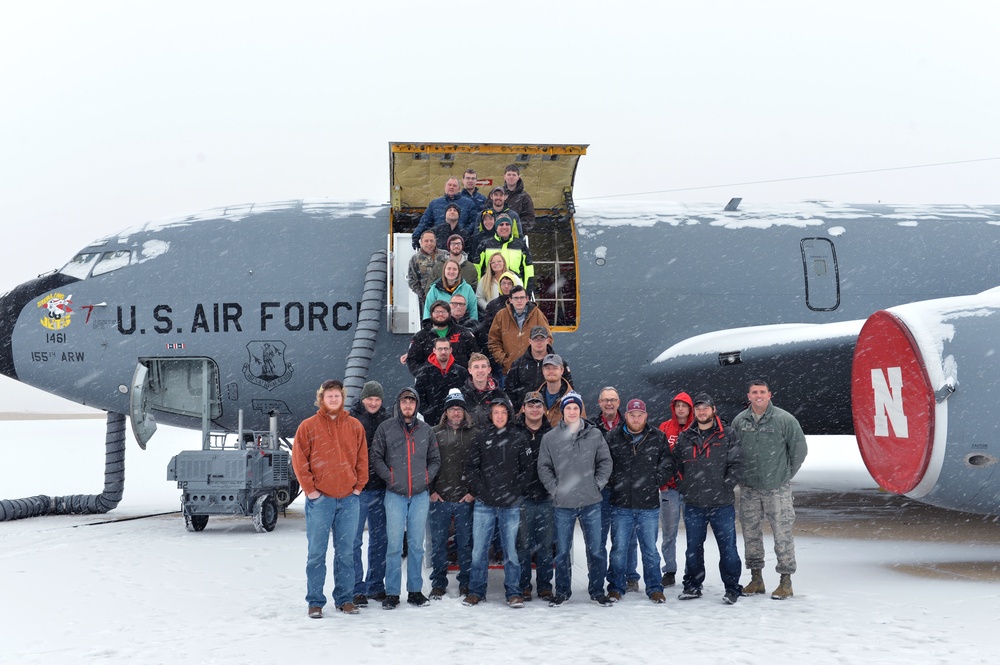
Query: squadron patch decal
point(57, 310)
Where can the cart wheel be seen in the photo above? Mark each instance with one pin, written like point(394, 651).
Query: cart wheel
point(195, 522)
point(265, 513)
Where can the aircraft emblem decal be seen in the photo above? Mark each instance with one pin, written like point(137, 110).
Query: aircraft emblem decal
point(267, 367)
point(889, 403)
point(57, 310)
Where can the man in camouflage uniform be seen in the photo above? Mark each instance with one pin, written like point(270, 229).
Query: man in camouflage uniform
point(420, 273)
point(774, 448)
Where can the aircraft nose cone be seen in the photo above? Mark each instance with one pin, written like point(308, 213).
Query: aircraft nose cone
point(11, 306)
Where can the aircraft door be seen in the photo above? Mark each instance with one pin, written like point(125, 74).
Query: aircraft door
point(183, 386)
point(143, 423)
point(822, 275)
point(404, 313)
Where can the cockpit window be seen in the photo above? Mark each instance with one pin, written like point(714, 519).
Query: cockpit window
point(81, 264)
point(112, 261)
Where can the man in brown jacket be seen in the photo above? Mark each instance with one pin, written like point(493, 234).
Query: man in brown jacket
point(330, 458)
point(509, 337)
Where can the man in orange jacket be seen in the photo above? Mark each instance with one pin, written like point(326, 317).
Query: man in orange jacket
point(330, 458)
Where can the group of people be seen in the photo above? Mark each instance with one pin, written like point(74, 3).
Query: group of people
point(459, 237)
point(519, 458)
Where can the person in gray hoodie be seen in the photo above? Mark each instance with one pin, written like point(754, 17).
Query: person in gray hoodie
point(405, 455)
point(574, 464)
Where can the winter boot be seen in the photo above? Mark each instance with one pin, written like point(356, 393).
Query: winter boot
point(756, 583)
point(784, 589)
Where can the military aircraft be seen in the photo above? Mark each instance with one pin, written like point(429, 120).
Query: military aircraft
point(222, 318)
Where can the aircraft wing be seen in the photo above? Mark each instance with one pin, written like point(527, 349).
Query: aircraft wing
point(811, 359)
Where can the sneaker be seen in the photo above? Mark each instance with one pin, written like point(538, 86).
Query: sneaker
point(315, 612)
point(472, 600)
point(669, 579)
point(360, 600)
point(390, 602)
point(632, 586)
point(614, 596)
point(603, 601)
point(379, 597)
point(556, 601)
point(544, 594)
point(657, 597)
point(515, 602)
point(417, 599)
point(437, 593)
point(731, 597)
point(689, 594)
point(348, 608)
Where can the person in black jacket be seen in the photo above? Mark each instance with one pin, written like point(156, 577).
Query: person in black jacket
point(436, 379)
point(497, 468)
point(537, 530)
point(641, 464)
point(451, 497)
point(370, 412)
point(708, 464)
point(463, 344)
point(526, 373)
point(480, 390)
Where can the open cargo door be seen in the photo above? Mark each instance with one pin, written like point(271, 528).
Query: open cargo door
point(418, 174)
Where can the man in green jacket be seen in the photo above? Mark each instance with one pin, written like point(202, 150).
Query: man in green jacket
point(774, 448)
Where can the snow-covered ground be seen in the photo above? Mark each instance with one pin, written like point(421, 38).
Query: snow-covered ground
point(880, 580)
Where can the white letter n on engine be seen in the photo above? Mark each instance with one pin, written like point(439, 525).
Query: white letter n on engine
point(889, 403)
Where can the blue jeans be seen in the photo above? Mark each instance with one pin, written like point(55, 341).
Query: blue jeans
point(483, 519)
point(407, 514)
point(597, 558)
point(439, 524)
point(371, 509)
point(671, 507)
point(632, 572)
point(326, 515)
point(535, 538)
point(627, 524)
point(723, 522)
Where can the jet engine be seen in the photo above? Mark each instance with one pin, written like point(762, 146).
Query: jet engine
point(925, 379)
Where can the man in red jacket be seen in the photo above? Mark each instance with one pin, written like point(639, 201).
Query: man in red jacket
point(671, 501)
point(330, 458)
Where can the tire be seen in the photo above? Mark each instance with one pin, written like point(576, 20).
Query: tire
point(265, 513)
point(195, 522)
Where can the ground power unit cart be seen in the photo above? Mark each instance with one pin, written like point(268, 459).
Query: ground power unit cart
point(249, 474)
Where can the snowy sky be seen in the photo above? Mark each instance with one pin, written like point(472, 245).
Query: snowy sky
point(116, 113)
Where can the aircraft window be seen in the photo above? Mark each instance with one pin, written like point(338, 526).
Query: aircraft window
point(112, 261)
point(553, 254)
point(81, 264)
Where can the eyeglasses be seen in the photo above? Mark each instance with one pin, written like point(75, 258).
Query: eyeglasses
point(609, 400)
point(519, 297)
point(457, 304)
